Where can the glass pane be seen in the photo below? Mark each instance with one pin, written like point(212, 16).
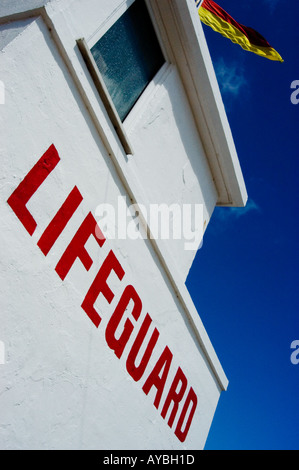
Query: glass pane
point(128, 57)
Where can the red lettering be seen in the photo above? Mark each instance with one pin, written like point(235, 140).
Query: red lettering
point(191, 399)
point(116, 341)
point(111, 263)
point(76, 248)
point(174, 396)
point(59, 222)
point(155, 380)
point(118, 345)
point(30, 184)
point(136, 372)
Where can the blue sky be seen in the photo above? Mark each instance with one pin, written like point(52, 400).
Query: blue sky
point(244, 281)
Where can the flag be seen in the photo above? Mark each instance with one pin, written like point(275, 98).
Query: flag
point(214, 16)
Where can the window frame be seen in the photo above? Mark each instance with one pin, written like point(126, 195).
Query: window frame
point(85, 47)
point(104, 95)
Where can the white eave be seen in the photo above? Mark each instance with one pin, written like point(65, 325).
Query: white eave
point(189, 47)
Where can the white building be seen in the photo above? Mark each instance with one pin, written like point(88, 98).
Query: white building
point(109, 102)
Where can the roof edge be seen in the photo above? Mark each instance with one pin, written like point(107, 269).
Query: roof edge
point(208, 108)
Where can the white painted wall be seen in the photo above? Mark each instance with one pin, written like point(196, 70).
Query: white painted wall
point(62, 386)
point(170, 163)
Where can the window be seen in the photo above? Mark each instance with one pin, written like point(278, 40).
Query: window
point(128, 57)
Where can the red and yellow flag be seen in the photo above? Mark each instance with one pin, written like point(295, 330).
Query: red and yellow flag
point(214, 16)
